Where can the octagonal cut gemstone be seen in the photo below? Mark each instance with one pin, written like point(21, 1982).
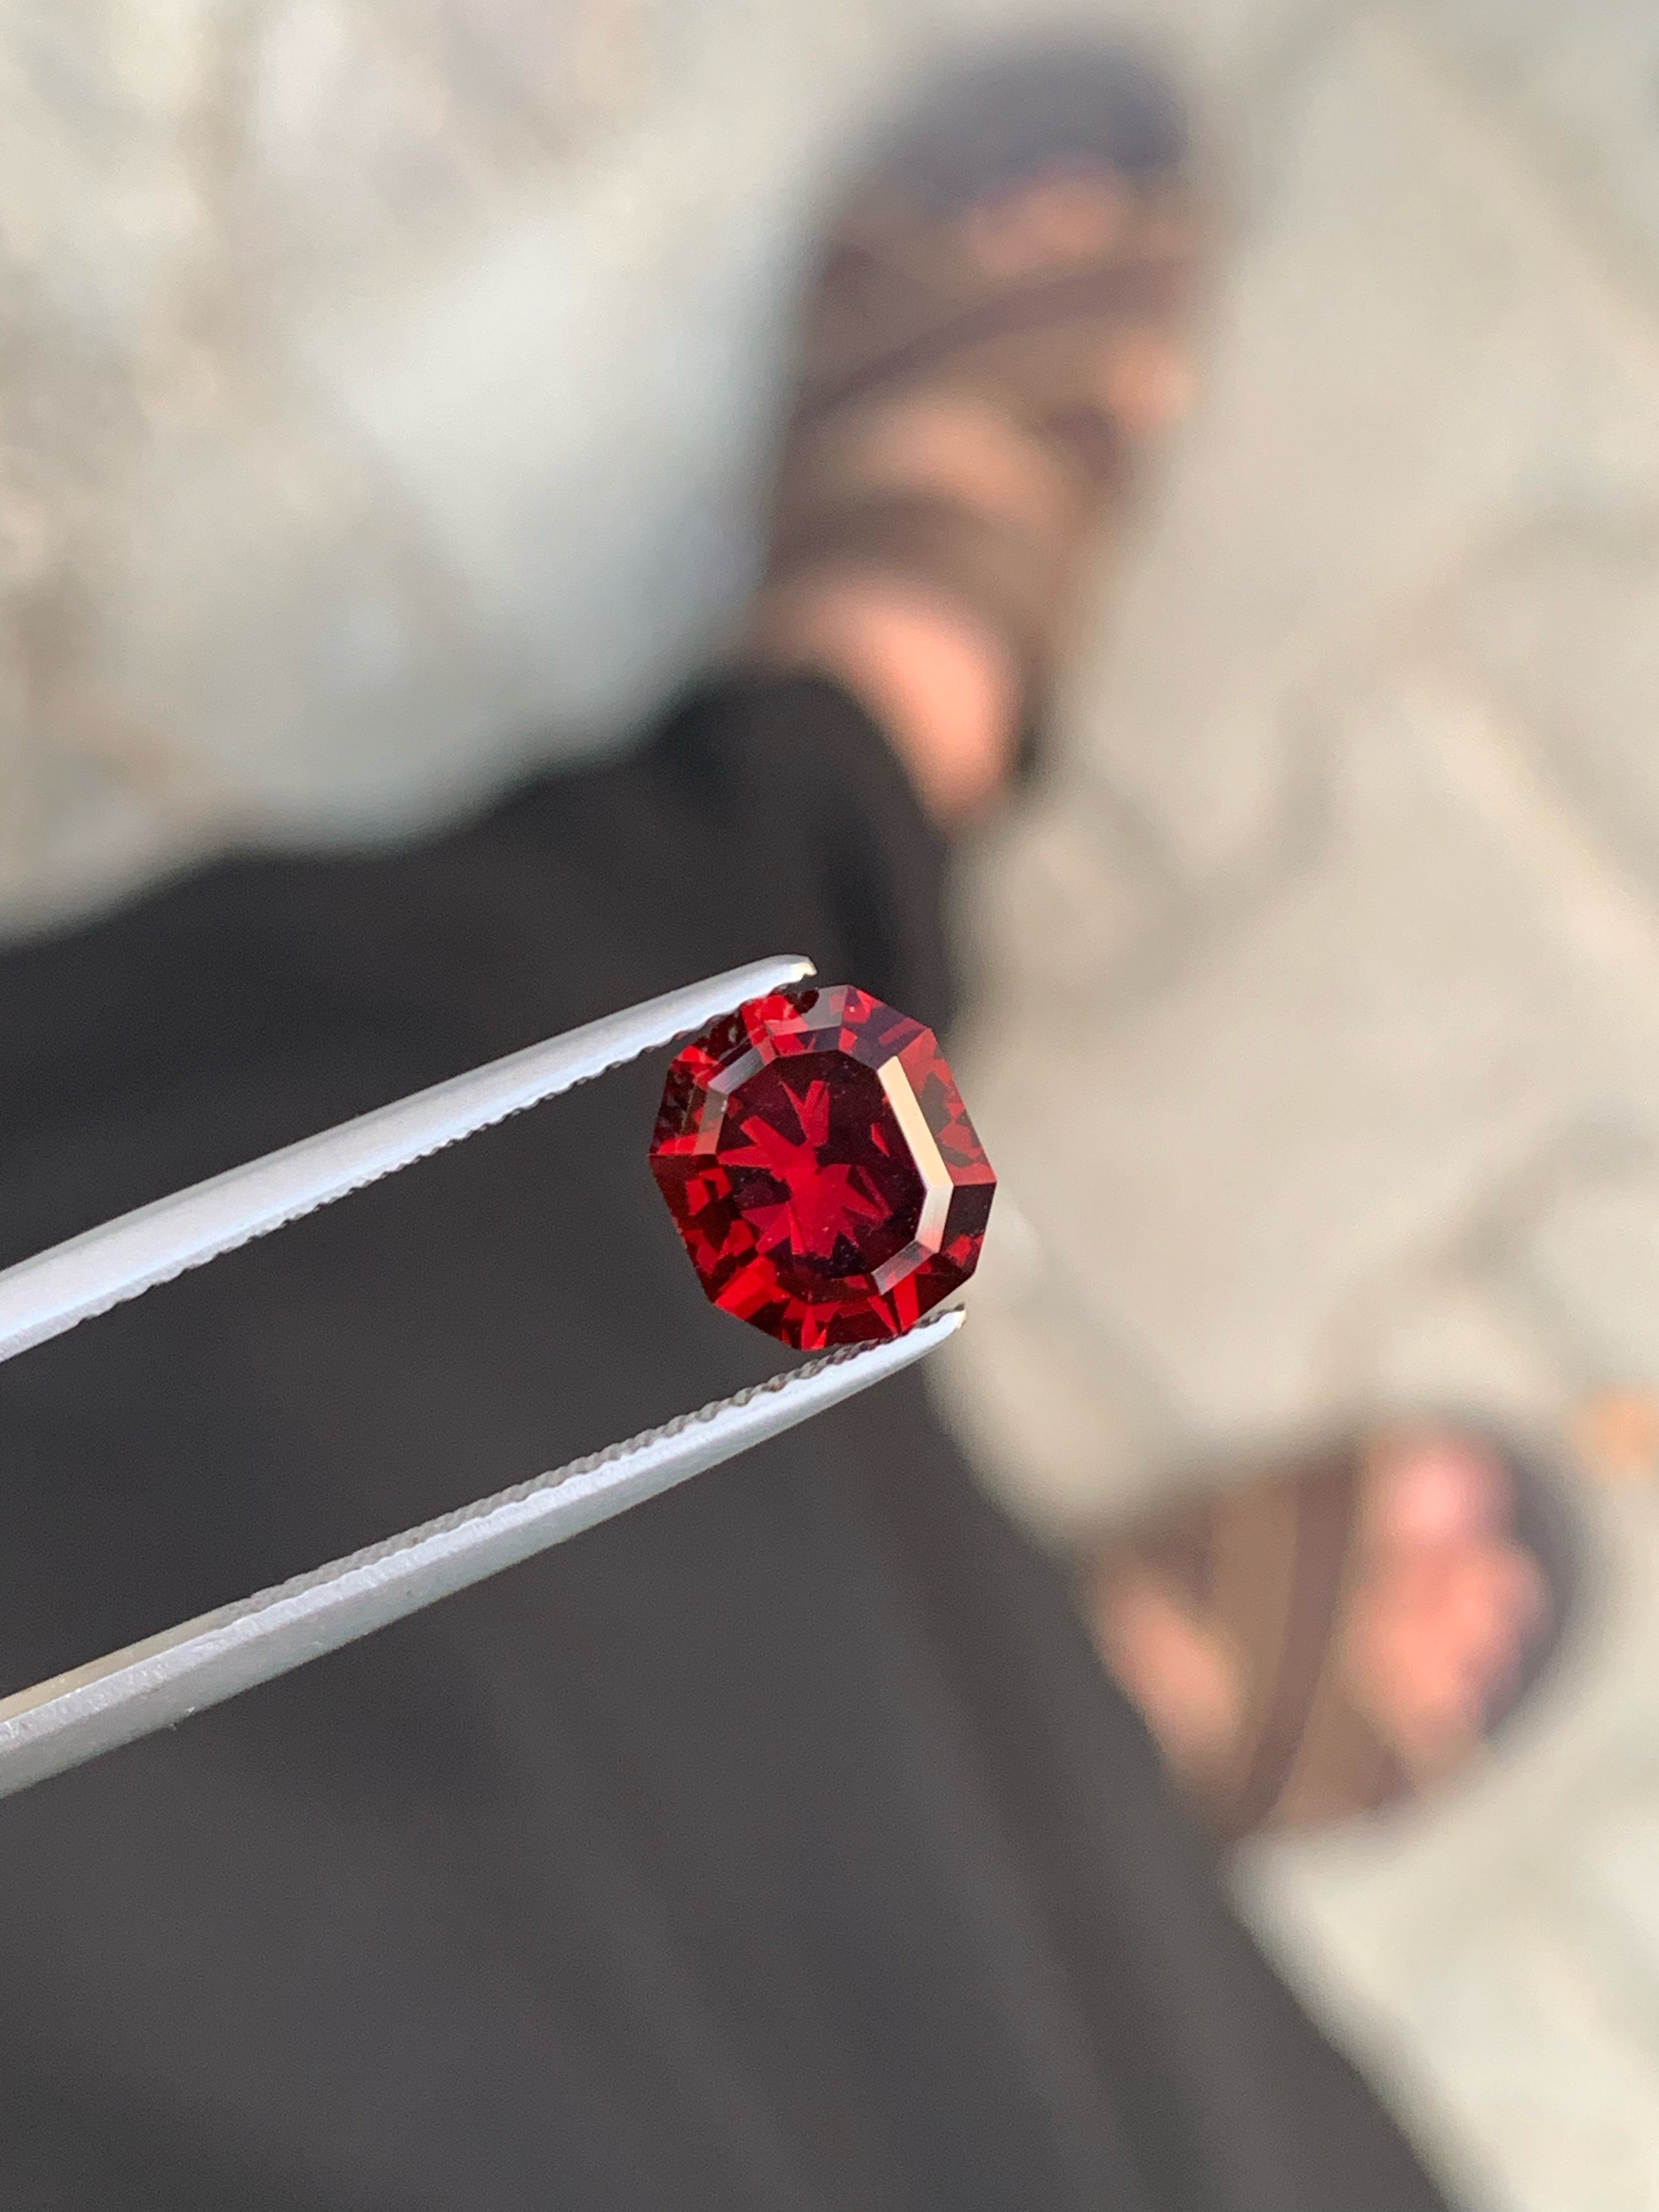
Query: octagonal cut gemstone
point(815, 1157)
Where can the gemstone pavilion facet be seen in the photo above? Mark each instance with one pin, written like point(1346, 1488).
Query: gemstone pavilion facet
point(815, 1155)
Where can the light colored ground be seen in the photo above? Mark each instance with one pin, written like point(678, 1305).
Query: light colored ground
point(385, 383)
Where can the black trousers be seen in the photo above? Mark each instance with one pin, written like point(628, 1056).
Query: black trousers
point(781, 1847)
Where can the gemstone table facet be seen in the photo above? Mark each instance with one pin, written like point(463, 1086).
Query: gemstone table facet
point(820, 1167)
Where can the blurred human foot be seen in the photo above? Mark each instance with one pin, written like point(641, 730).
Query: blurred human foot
point(1446, 1601)
point(999, 330)
point(1320, 1644)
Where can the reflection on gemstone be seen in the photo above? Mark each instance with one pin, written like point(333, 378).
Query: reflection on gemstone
point(820, 1167)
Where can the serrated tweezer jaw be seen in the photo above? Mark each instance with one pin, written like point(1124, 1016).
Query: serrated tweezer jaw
point(153, 1684)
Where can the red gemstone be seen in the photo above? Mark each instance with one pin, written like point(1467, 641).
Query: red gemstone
point(815, 1155)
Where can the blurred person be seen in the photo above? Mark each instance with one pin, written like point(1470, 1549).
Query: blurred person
point(786, 1843)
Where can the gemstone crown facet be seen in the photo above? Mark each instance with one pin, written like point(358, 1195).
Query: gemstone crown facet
point(820, 1166)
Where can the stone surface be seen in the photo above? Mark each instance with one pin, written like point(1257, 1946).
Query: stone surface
point(1578, 83)
point(1613, 1875)
point(1593, 1260)
point(1541, 2068)
point(1387, 385)
point(1448, 1338)
point(1323, 1082)
point(1563, 625)
point(1055, 900)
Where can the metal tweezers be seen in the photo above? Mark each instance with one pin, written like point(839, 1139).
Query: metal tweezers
point(156, 1683)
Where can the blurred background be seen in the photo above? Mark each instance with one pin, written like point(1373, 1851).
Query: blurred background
point(385, 393)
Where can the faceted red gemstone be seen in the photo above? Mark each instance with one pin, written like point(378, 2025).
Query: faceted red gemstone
point(815, 1155)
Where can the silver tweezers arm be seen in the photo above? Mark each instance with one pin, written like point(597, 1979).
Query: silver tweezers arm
point(44, 1296)
point(152, 1685)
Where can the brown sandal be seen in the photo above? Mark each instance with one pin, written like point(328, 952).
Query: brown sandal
point(995, 334)
point(1265, 1573)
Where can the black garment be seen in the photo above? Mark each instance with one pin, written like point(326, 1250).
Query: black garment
point(779, 1847)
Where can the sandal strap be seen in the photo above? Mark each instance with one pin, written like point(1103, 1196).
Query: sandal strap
point(1285, 1555)
point(1267, 1568)
point(874, 324)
